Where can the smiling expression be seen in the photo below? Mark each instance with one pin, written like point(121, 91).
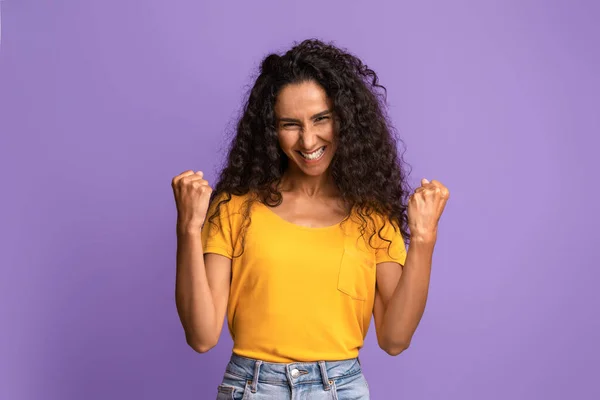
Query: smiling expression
point(305, 127)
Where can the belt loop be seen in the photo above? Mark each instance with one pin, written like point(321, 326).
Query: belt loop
point(324, 376)
point(255, 377)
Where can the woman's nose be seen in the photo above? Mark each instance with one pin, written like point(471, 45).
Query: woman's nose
point(309, 138)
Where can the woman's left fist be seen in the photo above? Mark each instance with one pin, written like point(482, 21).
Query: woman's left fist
point(425, 207)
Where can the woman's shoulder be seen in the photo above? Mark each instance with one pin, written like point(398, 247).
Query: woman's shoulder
point(373, 219)
point(232, 203)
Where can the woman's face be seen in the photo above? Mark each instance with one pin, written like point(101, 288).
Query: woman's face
point(305, 127)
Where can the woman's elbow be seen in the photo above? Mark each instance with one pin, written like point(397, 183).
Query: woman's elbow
point(394, 348)
point(201, 346)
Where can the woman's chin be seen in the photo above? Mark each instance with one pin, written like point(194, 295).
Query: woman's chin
point(313, 170)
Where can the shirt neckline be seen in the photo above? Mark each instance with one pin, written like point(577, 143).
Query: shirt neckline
point(286, 222)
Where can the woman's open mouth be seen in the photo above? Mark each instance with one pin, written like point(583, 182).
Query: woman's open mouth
point(313, 156)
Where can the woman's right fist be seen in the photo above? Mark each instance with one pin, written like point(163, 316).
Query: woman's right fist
point(192, 195)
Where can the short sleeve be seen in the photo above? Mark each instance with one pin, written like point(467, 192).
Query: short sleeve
point(217, 235)
point(397, 249)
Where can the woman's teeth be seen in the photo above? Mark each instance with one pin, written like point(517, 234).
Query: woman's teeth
point(314, 155)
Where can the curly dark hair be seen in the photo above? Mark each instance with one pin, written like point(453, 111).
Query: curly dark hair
point(370, 175)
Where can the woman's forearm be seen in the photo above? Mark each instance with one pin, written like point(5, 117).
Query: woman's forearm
point(193, 297)
point(407, 304)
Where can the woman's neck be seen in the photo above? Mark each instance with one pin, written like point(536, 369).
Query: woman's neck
point(309, 186)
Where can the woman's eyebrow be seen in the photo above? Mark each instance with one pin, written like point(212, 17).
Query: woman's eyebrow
point(317, 115)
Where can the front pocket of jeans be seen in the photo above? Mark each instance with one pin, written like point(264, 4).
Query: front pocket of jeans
point(226, 392)
point(357, 274)
point(233, 387)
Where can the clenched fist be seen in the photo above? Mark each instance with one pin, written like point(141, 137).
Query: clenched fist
point(425, 207)
point(192, 195)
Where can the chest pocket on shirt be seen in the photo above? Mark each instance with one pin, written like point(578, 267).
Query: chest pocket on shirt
point(357, 274)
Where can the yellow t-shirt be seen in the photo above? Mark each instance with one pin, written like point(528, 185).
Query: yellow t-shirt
point(298, 293)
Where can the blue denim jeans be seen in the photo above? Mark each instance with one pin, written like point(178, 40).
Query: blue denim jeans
point(249, 379)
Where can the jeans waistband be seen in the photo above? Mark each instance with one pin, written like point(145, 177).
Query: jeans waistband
point(292, 374)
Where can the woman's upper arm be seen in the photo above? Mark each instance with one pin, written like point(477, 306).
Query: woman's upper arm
point(388, 276)
point(218, 274)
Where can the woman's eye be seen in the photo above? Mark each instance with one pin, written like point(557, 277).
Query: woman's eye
point(321, 119)
point(288, 125)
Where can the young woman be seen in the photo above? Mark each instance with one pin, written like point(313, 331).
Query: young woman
point(303, 237)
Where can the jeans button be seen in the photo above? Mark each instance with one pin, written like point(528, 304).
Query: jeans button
point(295, 373)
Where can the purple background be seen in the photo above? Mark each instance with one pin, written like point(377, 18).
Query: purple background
point(103, 102)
